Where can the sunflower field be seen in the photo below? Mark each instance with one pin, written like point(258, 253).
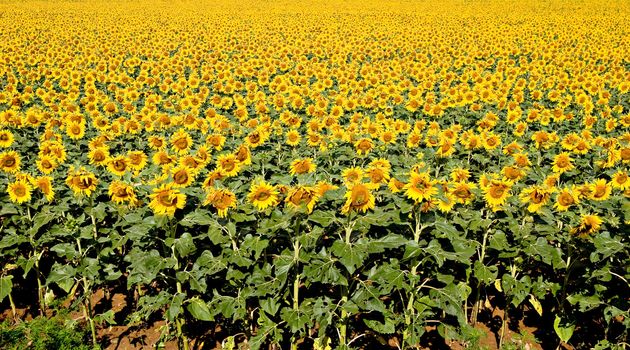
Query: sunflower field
point(319, 174)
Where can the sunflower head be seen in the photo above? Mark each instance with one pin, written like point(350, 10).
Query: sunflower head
point(165, 200)
point(19, 191)
point(263, 195)
point(302, 166)
point(221, 200)
point(589, 224)
point(359, 198)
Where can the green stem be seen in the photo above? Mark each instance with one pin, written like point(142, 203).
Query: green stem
point(87, 311)
point(13, 309)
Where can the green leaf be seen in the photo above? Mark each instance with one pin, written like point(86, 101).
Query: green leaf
point(270, 306)
point(564, 332)
point(199, 310)
point(605, 246)
point(6, 285)
point(350, 256)
point(323, 218)
point(62, 275)
point(197, 217)
point(384, 328)
point(184, 245)
point(485, 274)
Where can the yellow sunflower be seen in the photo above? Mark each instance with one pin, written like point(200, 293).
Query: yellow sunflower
point(137, 160)
point(566, 198)
point(6, 138)
point(118, 165)
point(44, 183)
point(81, 181)
point(165, 200)
point(496, 193)
point(293, 138)
point(352, 175)
point(621, 180)
point(263, 195)
point(121, 192)
point(19, 191)
point(536, 197)
point(302, 196)
point(463, 192)
point(359, 198)
point(302, 166)
point(181, 141)
point(228, 165)
point(46, 164)
point(420, 187)
point(600, 190)
point(589, 224)
point(243, 155)
point(99, 156)
point(363, 146)
point(10, 161)
point(562, 163)
point(182, 176)
point(222, 200)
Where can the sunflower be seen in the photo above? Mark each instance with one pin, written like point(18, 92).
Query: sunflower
point(302, 166)
point(181, 141)
point(600, 190)
point(6, 138)
point(99, 156)
point(216, 141)
point(221, 200)
point(620, 180)
point(118, 165)
point(121, 192)
point(323, 187)
point(137, 160)
point(44, 184)
point(565, 198)
point(19, 191)
point(381, 163)
point(363, 146)
point(512, 173)
point(182, 176)
point(46, 164)
point(228, 165)
point(162, 158)
point(293, 138)
point(496, 193)
point(81, 181)
point(302, 196)
point(463, 192)
point(536, 197)
point(490, 141)
point(212, 176)
point(562, 163)
point(377, 175)
point(359, 198)
point(446, 204)
point(75, 131)
point(156, 142)
point(420, 187)
point(165, 200)
point(352, 175)
point(10, 161)
point(263, 195)
point(460, 174)
point(589, 224)
point(243, 155)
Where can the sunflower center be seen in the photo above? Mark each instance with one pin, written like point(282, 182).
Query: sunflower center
point(181, 143)
point(167, 200)
point(19, 191)
point(181, 177)
point(262, 195)
point(566, 199)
